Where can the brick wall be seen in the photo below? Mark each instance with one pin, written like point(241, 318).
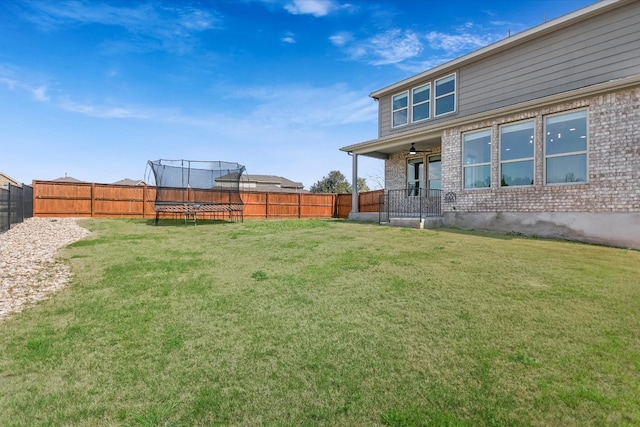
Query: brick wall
point(613, 163)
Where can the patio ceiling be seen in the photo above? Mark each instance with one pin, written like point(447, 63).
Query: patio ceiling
point(382, 148)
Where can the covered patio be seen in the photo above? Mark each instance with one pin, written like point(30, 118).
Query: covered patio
point(413, 191)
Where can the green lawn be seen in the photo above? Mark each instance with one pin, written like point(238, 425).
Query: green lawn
point(322, 322)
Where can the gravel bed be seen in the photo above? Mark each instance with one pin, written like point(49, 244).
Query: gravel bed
point(29, 271)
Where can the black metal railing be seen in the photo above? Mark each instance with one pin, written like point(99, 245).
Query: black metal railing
point(16, 204)
point(410, 203)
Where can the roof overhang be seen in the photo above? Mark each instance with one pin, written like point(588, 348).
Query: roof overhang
point(382, 148)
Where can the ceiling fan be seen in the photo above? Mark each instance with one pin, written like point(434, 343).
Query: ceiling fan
point(413, 150)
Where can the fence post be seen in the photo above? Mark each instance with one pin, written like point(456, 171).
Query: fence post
point(93, 187)
point(299, 205)
point(266, 205)
point(9, 206)
point(21, 204)
point(34, 186)
point(144, 201)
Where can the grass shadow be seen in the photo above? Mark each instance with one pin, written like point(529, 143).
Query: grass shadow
point(174, 222)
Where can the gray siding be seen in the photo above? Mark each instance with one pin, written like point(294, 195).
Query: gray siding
point(597, 50)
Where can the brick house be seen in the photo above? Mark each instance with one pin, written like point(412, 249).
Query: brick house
point(538, 133)
point(5, 180)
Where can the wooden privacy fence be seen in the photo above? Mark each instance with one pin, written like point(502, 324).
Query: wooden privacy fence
point(70, 199)
point(367, 202)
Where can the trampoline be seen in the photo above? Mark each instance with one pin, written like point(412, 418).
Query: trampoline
point(192, 188)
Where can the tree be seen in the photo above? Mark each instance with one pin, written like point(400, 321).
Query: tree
point(336, 182)
point(362, 185)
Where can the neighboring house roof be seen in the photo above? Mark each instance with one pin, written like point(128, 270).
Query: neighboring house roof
point(128, 181)
point(67, 179)
point(273, 180)
point(269, 183)
point(270, 188)
point(6, 180)
point(507, 43)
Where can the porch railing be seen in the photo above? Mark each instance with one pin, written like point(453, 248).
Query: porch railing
point(410, 203)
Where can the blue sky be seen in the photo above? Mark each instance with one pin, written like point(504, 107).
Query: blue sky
point(94, 89)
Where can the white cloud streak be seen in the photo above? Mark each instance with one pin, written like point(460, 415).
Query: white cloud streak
point(38, 92)
point(391, 47)
point(283, 107)
point(341, 39)
point(108, 111)
point(156, 26)
point(289, 38)
point(316, 8)
point(413, 51)
point(298, 105)
point(455, 43)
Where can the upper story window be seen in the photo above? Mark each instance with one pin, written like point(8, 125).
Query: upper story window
point(476, 155)
point(565, 148)
point(400, 106)
point(516, 154)
point(432, 99)
point(445, 95)
point(421, 102)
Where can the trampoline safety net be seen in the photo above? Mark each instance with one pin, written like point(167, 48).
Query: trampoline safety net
point(192, 187)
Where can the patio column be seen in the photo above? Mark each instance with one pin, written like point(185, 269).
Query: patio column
point(354, 183)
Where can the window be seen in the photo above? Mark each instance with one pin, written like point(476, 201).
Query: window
point(421, 99)
point(566, 148)
point(415, 176)
point(435, 173)
point(516, 154)
point(446, 95)
point(476, 154)
point(421, 102)
point(400, 107)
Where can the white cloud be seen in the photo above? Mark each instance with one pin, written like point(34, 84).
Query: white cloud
point(10, 83)
point(316, 8)
point(104, 111)
point(156, 26)
point(341, 39)
point(288, 38)
point(297, 105)
point(391, 47)
point(417, 66)
point(283, 107)
point(454, 43)
point(39, 93)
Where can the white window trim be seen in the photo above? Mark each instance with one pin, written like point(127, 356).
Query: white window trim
point(455, 95)
point(428, 171)
point(477, 164)
point(413, 104)
point(572, 153)
point(393, 125)
point(533, 157)
point(421, 183)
